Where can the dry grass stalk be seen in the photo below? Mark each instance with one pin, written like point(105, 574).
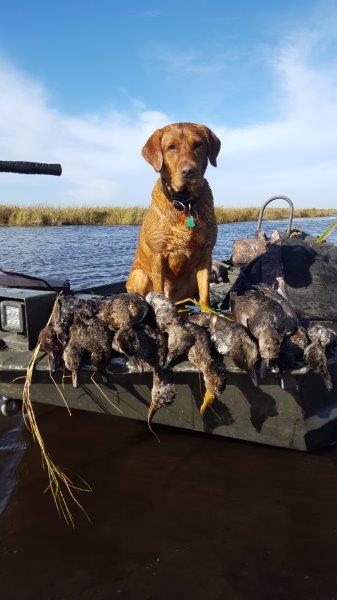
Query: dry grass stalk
point(60, 484)
point(104, 395)
point(133, 215)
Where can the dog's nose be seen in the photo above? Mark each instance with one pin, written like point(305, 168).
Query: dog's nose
point(188, 170)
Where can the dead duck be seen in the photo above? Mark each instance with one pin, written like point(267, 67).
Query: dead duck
point(163, 393)
point(63, 315)
point(54, 336)
point(265, 319)
point(149, 353)
point(90, 335)
point(73, 356)
point(198, 318)
point(200, 354)
point(120, 313)
point(292, 321)
point(322, 340)
point(300, 348)
point(233, 339)
point(315, 358)
point(149, 349)
point(179, 338)
point(122, 310)
point(191, 339)
point(153, 345)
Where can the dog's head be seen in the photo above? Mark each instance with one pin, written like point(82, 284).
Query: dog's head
point(180, 153)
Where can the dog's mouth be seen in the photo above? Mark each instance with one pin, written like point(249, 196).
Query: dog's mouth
point(184, 195)
point(191, 187)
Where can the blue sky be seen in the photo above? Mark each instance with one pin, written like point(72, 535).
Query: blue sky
point(85, 83)
point(187, 58)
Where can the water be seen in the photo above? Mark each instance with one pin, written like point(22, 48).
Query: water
point(95, 255)
point(193, 516)
point(12, 449)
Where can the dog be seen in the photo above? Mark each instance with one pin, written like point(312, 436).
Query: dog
point(177, 236)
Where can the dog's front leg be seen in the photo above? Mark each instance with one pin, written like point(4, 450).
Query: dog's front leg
point(158, 266)
point(203, 280)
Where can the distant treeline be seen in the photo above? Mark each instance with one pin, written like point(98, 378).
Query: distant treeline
point(48, 215)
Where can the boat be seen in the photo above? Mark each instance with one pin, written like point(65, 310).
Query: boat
point(303, 416)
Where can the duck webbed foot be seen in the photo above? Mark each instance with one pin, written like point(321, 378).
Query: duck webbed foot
point(201, 305)
point(186, 301)
point(205, 308)
point(208, 398)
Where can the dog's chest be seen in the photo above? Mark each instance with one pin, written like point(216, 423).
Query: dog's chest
point(182, 239)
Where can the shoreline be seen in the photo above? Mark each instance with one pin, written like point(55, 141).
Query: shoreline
point(47, 216)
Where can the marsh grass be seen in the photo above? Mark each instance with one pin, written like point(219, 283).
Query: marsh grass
point(62, 487)
point(36, 216)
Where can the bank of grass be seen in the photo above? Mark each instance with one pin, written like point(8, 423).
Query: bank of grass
point(133, 215)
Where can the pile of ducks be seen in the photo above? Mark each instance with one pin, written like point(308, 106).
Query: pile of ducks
point(264, 334)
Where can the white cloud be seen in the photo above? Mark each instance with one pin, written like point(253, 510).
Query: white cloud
point(100, 154)
point(295, 154)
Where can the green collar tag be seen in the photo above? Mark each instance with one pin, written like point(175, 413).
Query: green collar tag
point(190, 222)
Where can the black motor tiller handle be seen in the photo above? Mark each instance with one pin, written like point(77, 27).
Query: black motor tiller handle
point(29, 168)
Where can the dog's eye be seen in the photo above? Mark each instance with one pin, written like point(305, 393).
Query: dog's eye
point(171, 147)
point(197, 145)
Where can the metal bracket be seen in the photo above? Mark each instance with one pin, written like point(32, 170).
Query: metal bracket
point(291, 211)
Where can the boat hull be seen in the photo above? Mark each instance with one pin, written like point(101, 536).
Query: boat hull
point(302, 417)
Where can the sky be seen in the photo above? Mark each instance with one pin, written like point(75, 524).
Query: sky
point(85, 84)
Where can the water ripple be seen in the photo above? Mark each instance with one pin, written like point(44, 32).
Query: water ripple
point(12, 449)
point(94, 255)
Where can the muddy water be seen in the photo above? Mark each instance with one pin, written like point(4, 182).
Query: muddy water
point(191, 517)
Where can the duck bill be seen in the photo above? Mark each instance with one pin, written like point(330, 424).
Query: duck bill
point(153, 409)
point(168, 361)
point(75, 380)
point(327, 380)
point(254, 378)
point(264, 367)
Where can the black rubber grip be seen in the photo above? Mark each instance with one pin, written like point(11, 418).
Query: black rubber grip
point(29, 168)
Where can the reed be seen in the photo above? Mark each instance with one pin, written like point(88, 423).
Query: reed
point(35, 216)
point(61, 485)
point(236, 215)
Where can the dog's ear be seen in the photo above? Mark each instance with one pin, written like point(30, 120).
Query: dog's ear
point(213, 145)
point(152, 150)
